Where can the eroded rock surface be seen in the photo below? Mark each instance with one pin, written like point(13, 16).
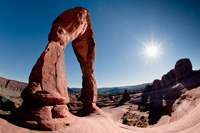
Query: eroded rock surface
point(46, 95)
point(162, 94)
point(168, 79)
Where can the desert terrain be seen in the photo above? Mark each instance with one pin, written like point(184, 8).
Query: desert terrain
point(156, 108)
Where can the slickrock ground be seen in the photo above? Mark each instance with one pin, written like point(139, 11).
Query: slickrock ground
point(186, 119)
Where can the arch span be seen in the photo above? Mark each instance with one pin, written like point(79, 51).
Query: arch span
point(46, 95)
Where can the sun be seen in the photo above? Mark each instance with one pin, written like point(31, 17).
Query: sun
point(152, 51)
point(151, 48)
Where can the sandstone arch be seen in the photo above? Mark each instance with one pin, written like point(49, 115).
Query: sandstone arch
point(46, 96)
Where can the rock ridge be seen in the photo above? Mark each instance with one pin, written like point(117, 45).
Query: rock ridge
point(12, 84)
point(162, 94)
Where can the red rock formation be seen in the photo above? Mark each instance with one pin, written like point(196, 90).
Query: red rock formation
point(145, 94)
point(46, 95)
point(156, 85)
point(156, 96)
point(163, 94)
point(12, 84)
point(182, 68)
point(185, 75)
point(147, 88)
point(126, 95)
point(168, 79)
point(3, 82)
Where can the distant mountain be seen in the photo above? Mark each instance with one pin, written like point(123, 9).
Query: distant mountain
point(12, 84)
point(112, 90)
point(19, 86)
point(74, 90)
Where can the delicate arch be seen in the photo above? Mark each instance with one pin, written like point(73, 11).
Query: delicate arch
point(46, 95)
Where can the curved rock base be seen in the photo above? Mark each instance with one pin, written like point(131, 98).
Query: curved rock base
point(43, 117)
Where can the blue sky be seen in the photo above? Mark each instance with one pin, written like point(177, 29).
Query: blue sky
point(121, 29)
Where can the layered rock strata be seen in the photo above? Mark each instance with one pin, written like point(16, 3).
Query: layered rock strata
point(12, 84)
